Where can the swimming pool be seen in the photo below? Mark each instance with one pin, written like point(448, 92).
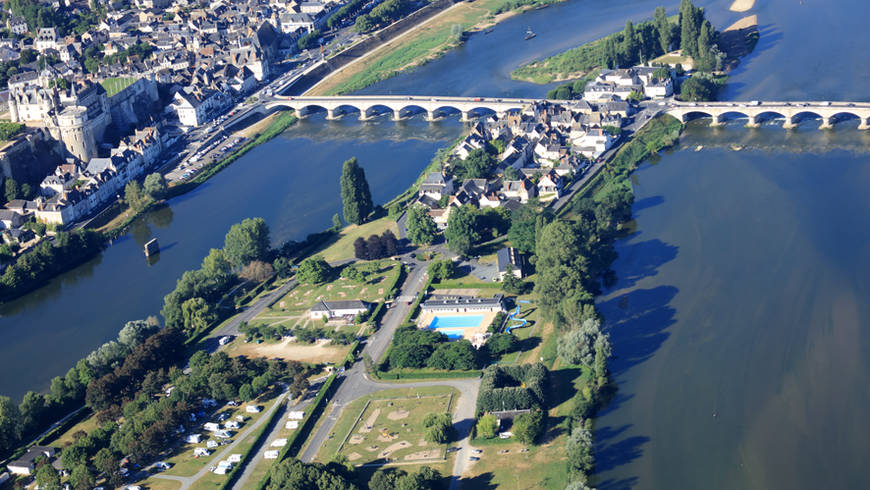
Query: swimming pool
point(454, 323)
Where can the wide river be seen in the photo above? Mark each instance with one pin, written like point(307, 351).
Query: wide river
point(736, 322)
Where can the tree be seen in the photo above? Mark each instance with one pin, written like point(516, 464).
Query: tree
point(294, 474)
point(155, 185)
point(699, 88)
point(10, 424)
point(630, 44)
point(421, 227)
point(256, 271)
point(217, 267)
point(441, 270)
point(33, 408)
point(47, 477)
point(81, 477)
point(528, 426)
point(107, 464)
point(247, 241)
point(581, 460)
point(283, 267)
point(135, 197)
point(136, 331)
point(477, 165)
point(356, 197)
point(197, 314)
point(511, 283)
point(246, 392)
point(577, 346)
point(458, 355)
point(462, 231)
point(361, 249)
point(501, 343)
point(487, 426)
point(314, 270)
point(663, 26)
point(353, 273)
point(438, 427)
point(336, 222)
point(11, 189)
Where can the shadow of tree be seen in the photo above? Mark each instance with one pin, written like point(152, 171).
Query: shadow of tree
point(479, 482)
point(637, 322)
point(645, 259)
point(609, 456)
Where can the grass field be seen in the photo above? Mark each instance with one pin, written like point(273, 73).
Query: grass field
point(113, 85)
point(67, 438)
point(387, 427)
point(343, 248)
point(379, 275)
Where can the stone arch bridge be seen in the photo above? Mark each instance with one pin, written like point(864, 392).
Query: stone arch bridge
point(756, 112)
point(401, 106)
point(368, 106)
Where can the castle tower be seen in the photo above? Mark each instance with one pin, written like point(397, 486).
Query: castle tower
point(13, 107)
point(76, 133)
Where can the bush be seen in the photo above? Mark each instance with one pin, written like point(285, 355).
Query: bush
point(528, 426)
point(487, 426)
point(438, 427)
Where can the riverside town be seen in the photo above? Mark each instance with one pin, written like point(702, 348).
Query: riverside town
point(434, 244)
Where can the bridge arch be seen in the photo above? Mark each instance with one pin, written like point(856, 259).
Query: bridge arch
point(692, 115)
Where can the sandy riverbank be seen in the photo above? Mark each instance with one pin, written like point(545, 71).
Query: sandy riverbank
point(741, 5)
point(417, 46)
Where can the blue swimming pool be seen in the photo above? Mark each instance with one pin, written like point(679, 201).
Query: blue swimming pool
point(455, 322)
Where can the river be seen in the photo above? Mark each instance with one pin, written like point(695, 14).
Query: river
point(736, 321)
point(292, 182)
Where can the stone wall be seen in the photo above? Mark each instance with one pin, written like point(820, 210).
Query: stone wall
point(134, 105)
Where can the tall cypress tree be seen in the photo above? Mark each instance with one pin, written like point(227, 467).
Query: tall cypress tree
point(663, 27)
point(356, 198)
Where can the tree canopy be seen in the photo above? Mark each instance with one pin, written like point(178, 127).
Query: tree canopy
point(422, 229)
point(247, 241)
point(356, 198)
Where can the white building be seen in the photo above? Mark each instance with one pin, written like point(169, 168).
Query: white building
point(337, 309)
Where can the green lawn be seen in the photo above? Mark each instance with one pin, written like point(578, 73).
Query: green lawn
point(380, 275)
point(343, 248)
point(113, 85)
point(395, 419)
point(87, 425)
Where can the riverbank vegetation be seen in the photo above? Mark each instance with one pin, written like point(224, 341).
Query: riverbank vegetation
point(638, 43)
point(49, 258)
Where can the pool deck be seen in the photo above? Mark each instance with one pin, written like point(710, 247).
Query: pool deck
point(467, 333)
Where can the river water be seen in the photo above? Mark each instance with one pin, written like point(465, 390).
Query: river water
point(736, 321)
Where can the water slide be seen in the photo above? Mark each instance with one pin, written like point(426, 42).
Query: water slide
point(521, 322)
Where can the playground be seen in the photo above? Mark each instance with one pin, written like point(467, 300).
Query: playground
point(388, 429)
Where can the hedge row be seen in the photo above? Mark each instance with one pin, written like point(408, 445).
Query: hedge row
point(466, 285)
point(512, 388)
point(425, 374)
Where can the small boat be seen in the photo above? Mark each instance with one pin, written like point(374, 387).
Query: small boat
point(529, 34)
point(488, 31)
